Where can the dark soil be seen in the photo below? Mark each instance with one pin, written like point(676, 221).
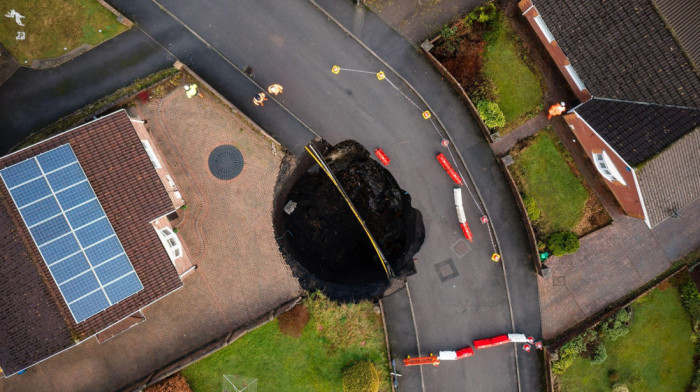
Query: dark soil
point(462, 54)
point(175, 383)
point(323, 241)
point(291, 323)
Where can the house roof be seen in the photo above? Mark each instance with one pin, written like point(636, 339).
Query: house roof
point(638, 131)
point(683, 17)
point(623, 50)
point(35, 321)
point(671, 180)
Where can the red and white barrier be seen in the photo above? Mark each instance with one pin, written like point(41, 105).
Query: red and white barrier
point(382, 156)
point(447, 356)
point(465, 352)
point(461, 217)
point(478, 344)
point(448, 168)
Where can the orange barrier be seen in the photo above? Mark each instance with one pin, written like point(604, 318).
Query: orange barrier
point(431, 360)
point(382, 156)
point(448, 168)
point(465, 352)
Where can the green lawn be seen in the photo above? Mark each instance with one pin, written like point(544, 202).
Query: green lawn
point(657, 355)
point(543, 174)
point(52, 25)
point(519, 88)
point(332, 340)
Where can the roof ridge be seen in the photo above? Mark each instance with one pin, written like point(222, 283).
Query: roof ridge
point(638, 103)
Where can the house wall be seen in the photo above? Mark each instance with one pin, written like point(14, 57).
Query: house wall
point(163, 171)
point(530, 12)
point(627, 195)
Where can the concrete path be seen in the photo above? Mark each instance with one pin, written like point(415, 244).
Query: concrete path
point(32, 99)
point(508, 141)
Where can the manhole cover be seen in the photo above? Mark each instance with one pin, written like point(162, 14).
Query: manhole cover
point(225, 162)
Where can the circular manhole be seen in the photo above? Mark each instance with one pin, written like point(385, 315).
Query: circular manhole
point(225, 162)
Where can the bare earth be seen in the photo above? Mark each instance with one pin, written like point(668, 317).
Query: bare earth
point(228, 232)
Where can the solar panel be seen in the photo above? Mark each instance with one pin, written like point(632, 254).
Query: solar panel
point(72, 232)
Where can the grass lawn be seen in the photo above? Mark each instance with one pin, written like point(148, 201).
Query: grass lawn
point(543, 174)
point(51, 25)
point(657, 355)
point(335, 337)
point(519, 88)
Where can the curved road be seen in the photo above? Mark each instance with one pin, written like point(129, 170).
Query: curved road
point(455, 298)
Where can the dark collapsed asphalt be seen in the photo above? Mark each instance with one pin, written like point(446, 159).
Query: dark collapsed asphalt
point(295, 44)
point(32, 99)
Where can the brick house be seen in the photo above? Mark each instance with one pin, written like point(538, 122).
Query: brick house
point(85, 238)
point(633, 65)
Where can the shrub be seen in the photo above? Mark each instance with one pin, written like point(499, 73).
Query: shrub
point(599, 354)
point(563, 242)
point(491, 114)
point(691, 302)
point(484, 89)
point(175, 230)
point(533, 212)
point(567, 353)
point(361, 377)
point(448, 32)
point(617, 325)
point(483, 14)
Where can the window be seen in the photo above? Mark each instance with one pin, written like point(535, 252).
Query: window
point(170, 242)
point(574, 75)
point(544, 28)
point(151, 154)
point(607, 168)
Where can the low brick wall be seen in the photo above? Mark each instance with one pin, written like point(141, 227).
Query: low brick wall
point(207, 349)
point(534, 252)
point(458, 88)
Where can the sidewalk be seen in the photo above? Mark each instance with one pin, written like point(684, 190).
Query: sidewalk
point(508, 141)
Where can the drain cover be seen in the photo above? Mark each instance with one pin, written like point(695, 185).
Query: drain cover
point(225, 162)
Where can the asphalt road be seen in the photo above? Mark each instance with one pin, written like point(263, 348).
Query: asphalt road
point(295, 44)
point(454, 299)
point(32, 99)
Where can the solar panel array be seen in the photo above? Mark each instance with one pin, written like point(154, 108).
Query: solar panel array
point(70, 228)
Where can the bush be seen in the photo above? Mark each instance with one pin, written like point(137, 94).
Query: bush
point(361, 377)
point(483, 14)
point(491, 114)
point(691, 302)
point(448, 32)
point(531, 207)
point(563, 242)
point(616, 326)
point(484, 89)
point(567, 353)
point(599, 354)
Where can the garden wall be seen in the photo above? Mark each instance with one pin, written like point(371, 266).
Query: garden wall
point(207, 349)
point(458, 88)
point(531, 239)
